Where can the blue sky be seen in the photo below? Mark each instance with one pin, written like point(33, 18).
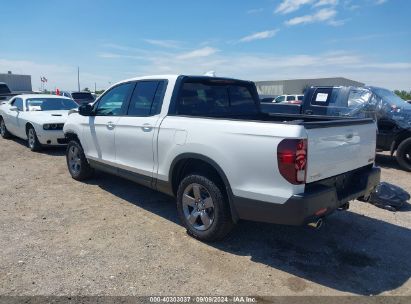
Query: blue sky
point(365, 40)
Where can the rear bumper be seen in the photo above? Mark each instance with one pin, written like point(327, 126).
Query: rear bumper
point(300, 209)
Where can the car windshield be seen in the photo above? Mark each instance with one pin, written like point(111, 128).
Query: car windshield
point(81, 95)
point(390, 97)
point(4, 89)
point(50, 104)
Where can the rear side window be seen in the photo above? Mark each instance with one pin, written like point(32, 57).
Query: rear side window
point(291, 98)
point(300, 97)
point(322, 97)
point(147, 98)
point(213, 98)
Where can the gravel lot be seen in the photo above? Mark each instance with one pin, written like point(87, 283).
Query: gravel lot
point(113, 237)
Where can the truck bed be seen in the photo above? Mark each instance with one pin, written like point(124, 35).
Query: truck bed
point(308, 121)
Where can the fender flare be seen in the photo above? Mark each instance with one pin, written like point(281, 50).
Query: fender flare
point(216, 167)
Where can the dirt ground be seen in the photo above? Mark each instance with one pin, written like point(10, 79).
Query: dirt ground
point(112, 237)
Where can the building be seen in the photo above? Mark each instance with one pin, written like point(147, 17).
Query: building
point(19, 83)
point(297, 86)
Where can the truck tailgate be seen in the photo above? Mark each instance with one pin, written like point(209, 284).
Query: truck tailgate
point(335, 149)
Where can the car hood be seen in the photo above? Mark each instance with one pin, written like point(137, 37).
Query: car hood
point(59, 116)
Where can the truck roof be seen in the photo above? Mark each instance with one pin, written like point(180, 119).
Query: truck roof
point(174, 77)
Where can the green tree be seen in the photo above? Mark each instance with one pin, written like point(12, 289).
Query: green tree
point(86, 90)
point(403, 94)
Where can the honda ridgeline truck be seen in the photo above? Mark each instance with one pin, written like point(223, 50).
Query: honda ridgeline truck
point(205, 141)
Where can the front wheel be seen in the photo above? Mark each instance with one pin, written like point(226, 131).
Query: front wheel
point(203, 209)
point(32, 140)
point(77, 163)
point(404, 154)
point(3, 129)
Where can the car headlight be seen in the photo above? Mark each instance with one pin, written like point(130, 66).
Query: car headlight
point(53, 126)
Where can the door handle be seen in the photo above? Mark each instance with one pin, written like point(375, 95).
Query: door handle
point(309, 112)
point(147, 127)
point(110, 125)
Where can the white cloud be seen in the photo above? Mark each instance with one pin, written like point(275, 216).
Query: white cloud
point(379, 2)
point(392, 75)
point(58, 75)
point(259, 35)
point(251, 66)
point(322, 15)
point(173, 44)
point(203, 52)
point(289, 6)
point(326, 2)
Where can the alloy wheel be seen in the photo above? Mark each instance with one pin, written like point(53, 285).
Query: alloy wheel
point(198, 207)
point(74, 160)
point(2, 128)
point(32, 138)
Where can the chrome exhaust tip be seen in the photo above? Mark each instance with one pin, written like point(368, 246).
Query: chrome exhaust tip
point(317, 224)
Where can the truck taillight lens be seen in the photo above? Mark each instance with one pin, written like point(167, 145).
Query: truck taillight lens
point(292, 160)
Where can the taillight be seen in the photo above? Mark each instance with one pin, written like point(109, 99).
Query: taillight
point(292, 160)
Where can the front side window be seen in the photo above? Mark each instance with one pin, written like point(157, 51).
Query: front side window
point(147, 98)
point(280, 99)
point(18, 102)
point(114, 101)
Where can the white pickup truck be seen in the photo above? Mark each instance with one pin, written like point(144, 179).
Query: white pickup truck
point(204, 141)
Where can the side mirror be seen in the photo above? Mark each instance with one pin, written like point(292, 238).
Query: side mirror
point(14, 109)
point(85, 110)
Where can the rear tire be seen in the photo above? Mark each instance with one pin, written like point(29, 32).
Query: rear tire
point(77, 163)
point(32, 140)
point(203, 209)
point(404, 154)
point(3, 129)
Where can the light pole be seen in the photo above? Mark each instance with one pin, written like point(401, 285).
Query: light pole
point(78, 78)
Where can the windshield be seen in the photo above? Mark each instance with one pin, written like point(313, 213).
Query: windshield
point(4, 89)
point(50, 104)
point(390, 97)
point(82, 95)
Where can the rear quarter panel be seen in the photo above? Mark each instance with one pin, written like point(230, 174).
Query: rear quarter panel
point(246, 151)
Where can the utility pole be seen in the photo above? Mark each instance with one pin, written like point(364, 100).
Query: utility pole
point(95, 87)
point(78, 78)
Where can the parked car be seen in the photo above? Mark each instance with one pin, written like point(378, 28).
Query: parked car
point(5, 92)
point(204, 141)
point(293, 99)
point(37, 118)
point(392, 114)
point(79, 97)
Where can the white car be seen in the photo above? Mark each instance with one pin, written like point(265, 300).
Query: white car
point(293, 99)
point(205, 141)
point(37, 118)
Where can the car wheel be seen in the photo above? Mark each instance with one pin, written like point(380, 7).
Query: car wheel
point(3, 129)
point(77, 163)
point(32, 140)
point(203, 209)
point(404, 154)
